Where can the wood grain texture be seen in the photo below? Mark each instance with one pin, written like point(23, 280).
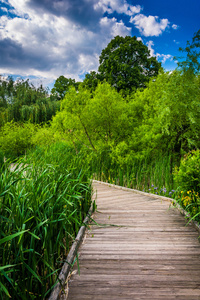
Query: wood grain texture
point(140, 249)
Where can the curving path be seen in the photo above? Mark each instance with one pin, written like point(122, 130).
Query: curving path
point(146, 252)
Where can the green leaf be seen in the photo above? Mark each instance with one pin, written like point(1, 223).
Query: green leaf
point(12, 236)
point(2, 287)
point(32, 272)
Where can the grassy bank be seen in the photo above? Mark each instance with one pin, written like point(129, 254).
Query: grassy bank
point(42, 205)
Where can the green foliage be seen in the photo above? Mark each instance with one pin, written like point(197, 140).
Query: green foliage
point(16, 139)
point(46, 136)
point(62, 85)
point(187, 176)
point(73, 117)
point(169, 114)
point(1, 158)
point(190, 201)
point(126, 64)
point(23, 102)
point(107, 115)
point(98, 121)
point(91, 81)
point(192, 61)
point(6, 91)
point(43, 202)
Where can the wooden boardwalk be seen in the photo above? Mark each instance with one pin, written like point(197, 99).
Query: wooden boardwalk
point(146, 252)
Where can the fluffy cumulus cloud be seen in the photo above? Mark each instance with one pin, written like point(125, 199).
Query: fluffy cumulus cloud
point(119, 6)
point(149, 26)
point(49, 38)
point(174, 26)
point(113, 27)
point(53, 37)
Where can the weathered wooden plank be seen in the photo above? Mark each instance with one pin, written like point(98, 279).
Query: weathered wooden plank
point(150, 253)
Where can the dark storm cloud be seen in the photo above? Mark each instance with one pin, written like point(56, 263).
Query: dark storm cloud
point(13, 56)
point(57, 36)
point(80, 12)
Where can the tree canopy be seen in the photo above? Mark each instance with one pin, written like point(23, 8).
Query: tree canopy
point(91, 81)
point(126, 64)
point(62, 85)
point(21, 101)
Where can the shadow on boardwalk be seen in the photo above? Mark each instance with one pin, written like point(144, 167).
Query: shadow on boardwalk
point(149, 253)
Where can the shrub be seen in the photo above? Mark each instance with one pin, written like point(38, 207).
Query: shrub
point(187, 176)
point(16, 139)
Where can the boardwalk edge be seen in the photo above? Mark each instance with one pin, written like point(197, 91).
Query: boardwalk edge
point(173, 201)
point(55, 293)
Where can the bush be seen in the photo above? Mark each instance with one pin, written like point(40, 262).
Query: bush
point(16, 139)
point(187, 176)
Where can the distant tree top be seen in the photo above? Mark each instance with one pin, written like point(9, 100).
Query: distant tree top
point(62, 85)
point(126, 63)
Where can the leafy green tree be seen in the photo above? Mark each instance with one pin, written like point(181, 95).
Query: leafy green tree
point(169, 113)
point(103, 120)
point(126, 64)
point(192, 61)
point(6, 91)
point(21, 101)
point(91, 81)
point(62, 85)
point(108, 115)
point(72, 119)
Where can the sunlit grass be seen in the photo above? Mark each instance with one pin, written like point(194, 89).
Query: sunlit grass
point(42, 205)
point(149, 175)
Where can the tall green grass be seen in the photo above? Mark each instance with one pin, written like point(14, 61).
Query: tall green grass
point(42, 205)
point(150, 174)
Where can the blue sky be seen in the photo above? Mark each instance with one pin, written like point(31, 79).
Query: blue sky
point(43, 39)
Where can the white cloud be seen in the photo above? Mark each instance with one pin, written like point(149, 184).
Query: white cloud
point(164, 57)
point(4, 9)
point(161, 57)
point(119, 6)
point(149, 26)
point(47, 45)
point(139, 39)
point(114, 27)
point(174, 26)
point(49, 38)
point(20, 8)
point(150, 44)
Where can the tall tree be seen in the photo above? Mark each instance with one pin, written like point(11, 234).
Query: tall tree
point(91, 81)
point(62, 85)
point(126, 64)
point(21, 101)
point(169, 114)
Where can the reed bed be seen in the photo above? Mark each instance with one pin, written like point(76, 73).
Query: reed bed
point(151, 174)
point(43, 202)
